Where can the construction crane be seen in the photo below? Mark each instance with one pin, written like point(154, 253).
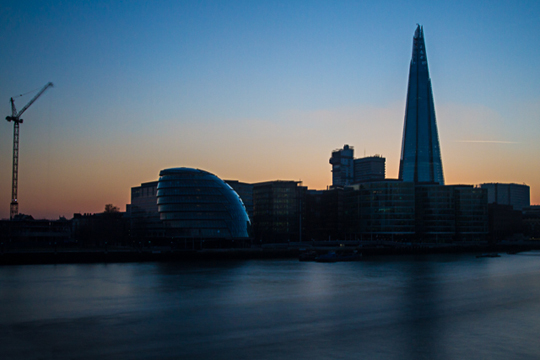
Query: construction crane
point(16, 118)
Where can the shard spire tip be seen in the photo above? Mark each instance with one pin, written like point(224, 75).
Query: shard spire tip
point(419, 33)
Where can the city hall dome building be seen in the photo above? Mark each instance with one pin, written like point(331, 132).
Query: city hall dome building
point(193, 203)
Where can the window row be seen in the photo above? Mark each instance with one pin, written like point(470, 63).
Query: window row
point(191, 199)
point(189, 191)
point(197, 224)
point(223, 215)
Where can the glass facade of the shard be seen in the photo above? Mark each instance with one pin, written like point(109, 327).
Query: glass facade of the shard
point(420, 153)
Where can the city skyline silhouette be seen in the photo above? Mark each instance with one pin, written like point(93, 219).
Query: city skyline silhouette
point(257, 92)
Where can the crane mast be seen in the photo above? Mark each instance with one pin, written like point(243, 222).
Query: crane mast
point(16, 118)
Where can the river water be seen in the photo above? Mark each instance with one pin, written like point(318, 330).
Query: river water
point(406, 307)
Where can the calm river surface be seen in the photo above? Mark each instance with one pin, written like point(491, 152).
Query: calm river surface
point(417, 307)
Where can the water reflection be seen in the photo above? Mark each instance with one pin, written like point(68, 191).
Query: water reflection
point(442, 307)
point(422, 331)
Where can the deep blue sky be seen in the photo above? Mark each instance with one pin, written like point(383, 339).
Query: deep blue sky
point(256, 91)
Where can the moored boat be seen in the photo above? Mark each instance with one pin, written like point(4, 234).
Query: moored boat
point(308, 255)
point(488, 255)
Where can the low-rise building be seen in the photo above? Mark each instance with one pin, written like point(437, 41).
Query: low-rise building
point(516, 195)
point(381, 210)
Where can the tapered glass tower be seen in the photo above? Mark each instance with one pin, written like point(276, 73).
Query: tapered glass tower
point(420, 152)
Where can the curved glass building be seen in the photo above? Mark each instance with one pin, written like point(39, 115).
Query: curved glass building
point(194, 203)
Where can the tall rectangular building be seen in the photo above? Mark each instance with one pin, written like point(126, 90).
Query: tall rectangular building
point(420, 152)
point(342, 166)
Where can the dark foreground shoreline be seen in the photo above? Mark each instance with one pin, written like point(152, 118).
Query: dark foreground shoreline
point(126, 255)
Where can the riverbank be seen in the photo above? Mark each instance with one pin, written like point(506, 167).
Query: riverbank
point(79, 256)
point(276, 251)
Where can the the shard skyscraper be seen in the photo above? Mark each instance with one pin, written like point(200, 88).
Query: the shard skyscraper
point(420, 152)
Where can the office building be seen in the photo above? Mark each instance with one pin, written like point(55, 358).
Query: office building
point(403, 211)
point(342, 166)
point(451, 213)
point(472, 221)
point(505, 222)
point(143, 212)
point(143, 198)
point(195, 204)
point(278, 208)
point(346, 170)
point(420, 160)
point(435, 212)
point(324, 215)
point(381, 210)
point(370, 168)
point(516, 195)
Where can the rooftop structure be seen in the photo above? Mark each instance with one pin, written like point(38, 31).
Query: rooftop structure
point(346, 170)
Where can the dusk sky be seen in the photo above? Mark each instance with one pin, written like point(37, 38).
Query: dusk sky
point(257, 91)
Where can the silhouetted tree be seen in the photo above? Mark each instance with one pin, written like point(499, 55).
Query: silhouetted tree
point(110, 208)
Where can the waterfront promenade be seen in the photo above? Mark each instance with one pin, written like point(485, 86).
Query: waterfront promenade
point(75, 255)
